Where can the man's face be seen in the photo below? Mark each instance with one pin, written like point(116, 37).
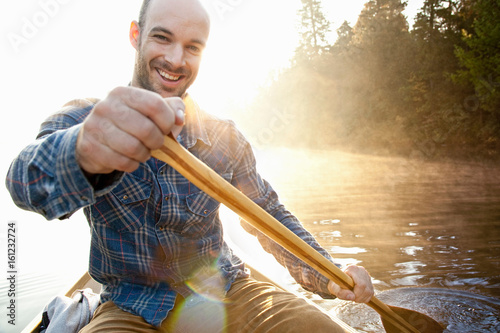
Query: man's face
point(170, 45)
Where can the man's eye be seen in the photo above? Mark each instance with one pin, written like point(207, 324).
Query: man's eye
point(161, 37)
point(194, 49)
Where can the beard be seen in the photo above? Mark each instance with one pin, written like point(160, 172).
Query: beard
point(145, 81)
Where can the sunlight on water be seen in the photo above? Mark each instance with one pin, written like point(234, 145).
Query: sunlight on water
point(346, 250)
point(411, 223)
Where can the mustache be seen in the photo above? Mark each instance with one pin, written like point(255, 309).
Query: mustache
point(168, 67)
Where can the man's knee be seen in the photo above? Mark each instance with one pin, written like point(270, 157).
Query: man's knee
point(109, 318)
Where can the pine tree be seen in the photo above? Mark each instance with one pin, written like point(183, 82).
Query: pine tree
point(344, 37)
point(381, 45)
point(438, 116)
point(314, 27)
point(480, 61)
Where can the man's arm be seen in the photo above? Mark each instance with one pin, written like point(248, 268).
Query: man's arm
point(247, 179)
point(45, 177)
point(76, 152)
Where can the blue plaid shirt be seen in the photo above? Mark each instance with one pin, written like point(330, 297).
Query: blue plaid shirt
point(154, 234)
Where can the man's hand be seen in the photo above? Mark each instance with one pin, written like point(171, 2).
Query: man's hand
point(363, 287)
point(122, 129)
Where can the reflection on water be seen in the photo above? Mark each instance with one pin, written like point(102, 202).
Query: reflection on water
point(410, 223)
point(459, 311)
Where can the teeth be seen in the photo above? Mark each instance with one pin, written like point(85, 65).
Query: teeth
point(167, 76)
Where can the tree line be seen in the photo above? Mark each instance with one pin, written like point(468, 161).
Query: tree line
point(382, 87)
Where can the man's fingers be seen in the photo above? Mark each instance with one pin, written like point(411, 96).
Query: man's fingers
point(95, 157)
point(125, 127)
point(344, 294)
point(141, 127)
point(363, 288)
point(162, 111)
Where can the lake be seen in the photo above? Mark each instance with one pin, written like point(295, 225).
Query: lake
point(428, 233)
point(427, 229)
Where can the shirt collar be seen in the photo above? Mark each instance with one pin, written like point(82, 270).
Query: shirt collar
point(194, 128)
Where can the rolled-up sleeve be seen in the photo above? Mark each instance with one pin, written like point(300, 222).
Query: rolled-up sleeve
point(247, 179)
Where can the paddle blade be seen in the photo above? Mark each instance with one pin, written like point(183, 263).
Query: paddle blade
point(422, 322)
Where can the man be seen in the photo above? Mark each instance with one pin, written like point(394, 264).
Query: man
point(157, 245)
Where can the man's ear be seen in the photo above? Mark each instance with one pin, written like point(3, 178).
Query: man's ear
point(134, 34)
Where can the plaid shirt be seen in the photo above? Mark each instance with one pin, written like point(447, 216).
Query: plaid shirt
point(154, 234)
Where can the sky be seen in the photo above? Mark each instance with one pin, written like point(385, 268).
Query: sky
point(53, 51)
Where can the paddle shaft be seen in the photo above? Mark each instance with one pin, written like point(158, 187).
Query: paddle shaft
point(218, 188)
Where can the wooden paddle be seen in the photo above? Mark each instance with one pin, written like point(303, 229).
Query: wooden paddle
point(394, 319)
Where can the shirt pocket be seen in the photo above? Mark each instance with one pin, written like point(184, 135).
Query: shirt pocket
point(125, 209)
point(202, 209)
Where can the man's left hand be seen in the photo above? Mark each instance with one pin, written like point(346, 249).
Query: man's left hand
point(363, 287)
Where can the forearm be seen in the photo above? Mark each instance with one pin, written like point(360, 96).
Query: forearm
point(46, 179)
point(303, 274)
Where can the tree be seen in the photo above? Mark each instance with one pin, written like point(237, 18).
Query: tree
point(381, 87)
point(314, 27)
point(344, 37)
point(381, 46)
point(479, 58)
point(438, 116)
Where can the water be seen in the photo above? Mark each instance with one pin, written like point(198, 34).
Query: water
point(429, 233)
point(416, 226)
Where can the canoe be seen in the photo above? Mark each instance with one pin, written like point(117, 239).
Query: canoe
point(86, 281)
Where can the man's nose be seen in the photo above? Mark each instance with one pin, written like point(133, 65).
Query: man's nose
point(175, 56)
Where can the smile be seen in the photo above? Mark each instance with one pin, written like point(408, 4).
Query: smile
point(167, 76)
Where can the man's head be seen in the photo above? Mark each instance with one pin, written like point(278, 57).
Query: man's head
point(169, 39)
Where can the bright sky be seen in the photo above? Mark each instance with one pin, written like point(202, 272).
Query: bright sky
point(57, 50)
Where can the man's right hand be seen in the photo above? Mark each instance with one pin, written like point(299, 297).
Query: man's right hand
point(122, 129)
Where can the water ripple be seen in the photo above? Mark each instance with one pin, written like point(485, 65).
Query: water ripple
point(458, 311)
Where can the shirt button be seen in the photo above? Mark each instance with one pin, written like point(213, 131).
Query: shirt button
point(161, 228)
point(125, 197)
point(205, 212)
point(167, 198)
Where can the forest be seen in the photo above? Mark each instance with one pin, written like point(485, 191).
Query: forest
point(429, 91)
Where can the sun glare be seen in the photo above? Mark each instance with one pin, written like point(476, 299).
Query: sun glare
point(248, 41)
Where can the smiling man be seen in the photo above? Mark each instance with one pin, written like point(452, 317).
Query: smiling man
point(157, 245)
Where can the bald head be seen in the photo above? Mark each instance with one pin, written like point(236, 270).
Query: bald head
point(194, 6)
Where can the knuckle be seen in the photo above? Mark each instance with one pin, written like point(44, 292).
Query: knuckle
point(134, 148)
point(117, 91)
point(155, 105)
point(137, 95)
point(127, 165)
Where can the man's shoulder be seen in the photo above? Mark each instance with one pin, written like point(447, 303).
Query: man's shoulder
point(219, 126)
point(210, 118)
point(77, 108)
point(82, 102)
point(72, 113)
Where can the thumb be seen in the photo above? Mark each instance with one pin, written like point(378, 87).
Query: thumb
point(178, 107)
point(179, 117)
